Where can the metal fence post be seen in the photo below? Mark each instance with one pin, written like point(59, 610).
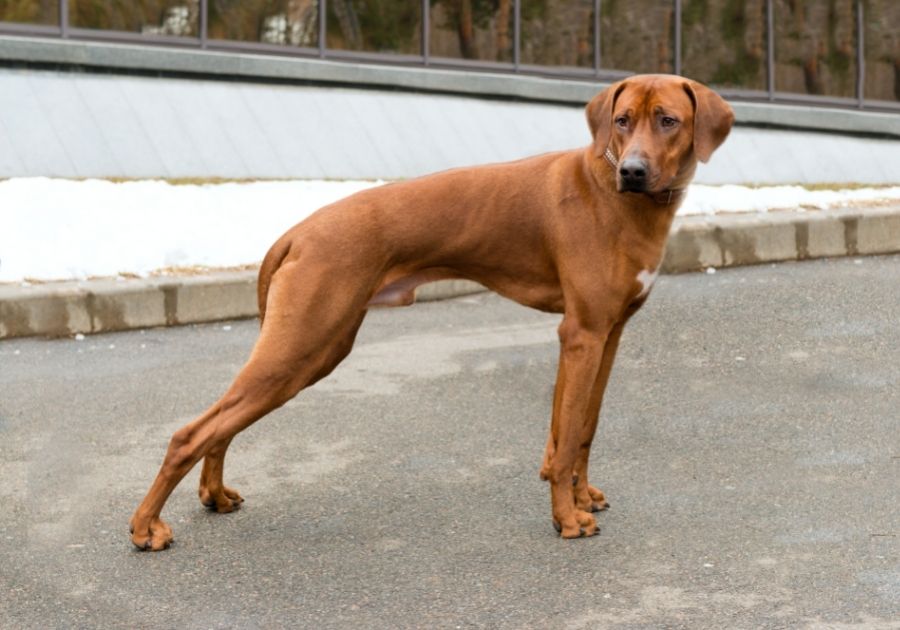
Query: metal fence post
point(426, 31)
point(597, 37)
point(860, 54)
point(517, 33)
point(323, 10)
point(64, 18)
point(770, 50)
point(677, 36)
point(204, 22)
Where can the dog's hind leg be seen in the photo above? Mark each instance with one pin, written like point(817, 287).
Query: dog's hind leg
point(309, 328)
point(213, 492)
point(550, 449)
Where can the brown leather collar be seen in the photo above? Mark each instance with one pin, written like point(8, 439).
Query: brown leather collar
point(663, 198)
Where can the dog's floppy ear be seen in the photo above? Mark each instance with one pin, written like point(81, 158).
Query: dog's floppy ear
point(713, 118)
point(599, 114)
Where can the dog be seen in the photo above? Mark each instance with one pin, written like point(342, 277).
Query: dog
point(579, 232)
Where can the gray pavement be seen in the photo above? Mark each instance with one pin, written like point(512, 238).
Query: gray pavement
point(749, 445)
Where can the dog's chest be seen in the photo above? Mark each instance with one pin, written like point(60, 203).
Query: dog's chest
point(645, 280)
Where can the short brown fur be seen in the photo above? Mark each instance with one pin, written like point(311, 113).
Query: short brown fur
point(552, 232)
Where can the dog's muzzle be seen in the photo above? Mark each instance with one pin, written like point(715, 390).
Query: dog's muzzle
point(633, 175)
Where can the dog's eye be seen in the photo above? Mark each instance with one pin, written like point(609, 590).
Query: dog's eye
point(622, 121)
point(668, 121)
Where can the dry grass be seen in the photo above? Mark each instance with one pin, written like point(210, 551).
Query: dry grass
point(824, 186)
point(212, 181)
point(187, 270)
point(198, 270)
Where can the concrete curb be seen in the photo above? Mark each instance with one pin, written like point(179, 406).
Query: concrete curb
point(67, 308)
point(746, 239)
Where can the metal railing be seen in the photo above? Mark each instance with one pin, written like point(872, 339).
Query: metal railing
point(66, 31)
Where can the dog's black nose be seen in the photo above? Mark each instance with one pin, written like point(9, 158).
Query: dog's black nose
point(634, 174)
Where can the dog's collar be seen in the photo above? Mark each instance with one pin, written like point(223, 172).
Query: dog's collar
point(664, 197)
point(608, 154)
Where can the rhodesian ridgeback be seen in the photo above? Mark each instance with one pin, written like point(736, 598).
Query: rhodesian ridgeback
point(578, 232)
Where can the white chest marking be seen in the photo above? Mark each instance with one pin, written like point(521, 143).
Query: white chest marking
point(646, 278)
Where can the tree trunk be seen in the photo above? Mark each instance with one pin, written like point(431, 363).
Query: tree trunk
point(504, 47)
point(348, 22)
point(466, 29)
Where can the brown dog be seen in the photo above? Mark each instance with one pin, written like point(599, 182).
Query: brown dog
point(579, 232)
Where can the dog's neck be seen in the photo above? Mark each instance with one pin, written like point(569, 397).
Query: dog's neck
point(668, 197)
point(653, 226)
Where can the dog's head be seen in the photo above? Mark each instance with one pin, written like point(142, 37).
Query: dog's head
point(656, 127)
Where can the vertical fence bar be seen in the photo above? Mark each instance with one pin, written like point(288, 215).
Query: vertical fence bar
point(204, 22)
point(597, 37)
point(860, 54)
point(426, 31)
point(64, 18)
point(677, 36)
point(770, 49)
point(323, 10)
point(517, 33)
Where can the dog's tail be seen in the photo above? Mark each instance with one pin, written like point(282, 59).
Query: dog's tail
point(270, 264)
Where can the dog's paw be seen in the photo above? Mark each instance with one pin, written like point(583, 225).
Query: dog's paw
point(151, 535)
point(598, 499)
point(224, 501)
point(591, 499)
point(582, 526)
point(597, 495)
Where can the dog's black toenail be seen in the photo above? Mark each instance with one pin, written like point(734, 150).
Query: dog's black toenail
point(557, 526)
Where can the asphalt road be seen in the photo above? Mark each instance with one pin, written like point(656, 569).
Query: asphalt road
point(749, 445)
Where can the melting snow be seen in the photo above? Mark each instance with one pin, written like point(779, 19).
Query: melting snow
point(53, 229)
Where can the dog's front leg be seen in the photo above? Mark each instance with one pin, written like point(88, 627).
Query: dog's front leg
point(581, 357)
point(587, 497)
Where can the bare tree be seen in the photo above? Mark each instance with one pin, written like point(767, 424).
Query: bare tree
point(348, 21)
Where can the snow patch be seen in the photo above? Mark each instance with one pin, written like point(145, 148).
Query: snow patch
point(56, 229)
point(730, 198)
